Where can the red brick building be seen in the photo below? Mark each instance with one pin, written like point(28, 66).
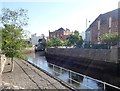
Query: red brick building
point(60, 33)
point(104, 23)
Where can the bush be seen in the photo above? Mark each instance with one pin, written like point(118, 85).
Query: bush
point(97, 46)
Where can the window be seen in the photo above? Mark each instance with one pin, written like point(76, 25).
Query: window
point(110, 20)
point(99, 25)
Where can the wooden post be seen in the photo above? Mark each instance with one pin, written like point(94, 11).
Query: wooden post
point(2, 64)
point(3, 61)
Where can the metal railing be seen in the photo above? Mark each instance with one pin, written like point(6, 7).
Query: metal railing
point(104, 84)
point(61, 70)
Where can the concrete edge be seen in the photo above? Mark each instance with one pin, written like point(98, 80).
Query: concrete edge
point(59, 80)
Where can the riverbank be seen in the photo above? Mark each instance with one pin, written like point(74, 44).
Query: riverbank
point(29, 50)
point(26, 76)
point(95, 63)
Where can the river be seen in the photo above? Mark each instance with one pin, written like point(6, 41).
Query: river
point(79, 81)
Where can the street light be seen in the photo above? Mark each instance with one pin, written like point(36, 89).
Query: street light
point(87, 23)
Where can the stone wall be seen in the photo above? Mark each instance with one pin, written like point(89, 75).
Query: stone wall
point(94, 54)
point(100, 64)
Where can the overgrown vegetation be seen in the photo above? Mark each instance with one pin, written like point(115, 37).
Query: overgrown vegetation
point(110, 38)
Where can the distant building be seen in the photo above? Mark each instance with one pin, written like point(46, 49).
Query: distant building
point(35, 38)
point(87, 35)
point(41, 44)
point(104, 23)
point(60, 33)
point(83, 35)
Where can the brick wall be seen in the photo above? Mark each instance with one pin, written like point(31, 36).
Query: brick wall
point(60, 33)
point(104, 24)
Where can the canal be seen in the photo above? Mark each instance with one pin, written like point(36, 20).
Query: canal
point(77, 80)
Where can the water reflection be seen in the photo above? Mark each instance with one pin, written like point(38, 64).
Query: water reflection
point(79, 81)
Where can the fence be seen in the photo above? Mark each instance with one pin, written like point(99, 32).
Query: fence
point(102, 84)
point(97, 46)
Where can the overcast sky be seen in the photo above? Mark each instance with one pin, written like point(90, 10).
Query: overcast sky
point(52, 14)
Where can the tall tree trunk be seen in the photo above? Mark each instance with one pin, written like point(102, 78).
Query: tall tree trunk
point(12, 64)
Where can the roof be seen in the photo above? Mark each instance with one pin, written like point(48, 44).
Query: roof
point(60, 29)
point(88, 29)
point(113, 14)
point(103, 17)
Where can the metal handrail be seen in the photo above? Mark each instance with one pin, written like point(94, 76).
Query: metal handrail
point(70, 72)
point(104, 83)
point(80, 83)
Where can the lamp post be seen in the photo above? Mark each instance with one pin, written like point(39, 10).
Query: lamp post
point(87, 23)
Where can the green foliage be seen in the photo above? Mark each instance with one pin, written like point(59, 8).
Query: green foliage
point(24, 57)
point(27, 44)
point(70, 40)
point(112, 38)
point(30, 45)
point(55, 42)
point(74, 39)
point(14, 17)
point(49, 43)
point(12, 42)
point(12, 32)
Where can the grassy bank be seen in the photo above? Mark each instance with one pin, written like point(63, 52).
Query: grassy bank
point(29, 50)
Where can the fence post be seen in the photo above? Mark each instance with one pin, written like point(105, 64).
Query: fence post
point(104, 86)
point(53, 68)
point(60, 70)
point(85, 83)
point(70, 77)
point(3, 61)
point(2, 65)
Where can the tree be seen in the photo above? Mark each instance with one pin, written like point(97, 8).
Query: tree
point(74, 39)
point(70, 40)
point(0, 40)
point(110, 38)
point(14, 17)
point(55, 42)
point(49, 43)
point(13, 33)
